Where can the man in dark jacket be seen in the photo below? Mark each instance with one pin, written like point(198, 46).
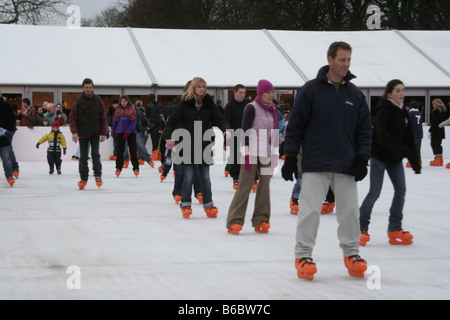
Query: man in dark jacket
point(331, 121)
point(88, 123)
point(233, 115)
point(8, 124)
point(153, 113)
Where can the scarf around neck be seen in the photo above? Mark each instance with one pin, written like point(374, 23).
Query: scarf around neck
point(269, 107)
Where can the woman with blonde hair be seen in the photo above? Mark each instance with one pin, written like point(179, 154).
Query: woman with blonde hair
point(196, 114)
point(436, 133)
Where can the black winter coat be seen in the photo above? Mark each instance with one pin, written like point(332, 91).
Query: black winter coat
point(7, 116)
point(436, 118)
point(392, 134)
point(233, 112)
point(196, 123)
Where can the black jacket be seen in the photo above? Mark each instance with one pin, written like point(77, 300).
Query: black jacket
point(436, 118)
point(392, 134)
point(233, 112)
point(186, 116)
point(7, 116)
point(153, 111)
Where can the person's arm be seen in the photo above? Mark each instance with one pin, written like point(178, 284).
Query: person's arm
point(445, 123)
point(103, 117)
point(73, 122)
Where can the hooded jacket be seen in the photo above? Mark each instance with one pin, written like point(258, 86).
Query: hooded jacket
point(392, 134)
point(332, 125)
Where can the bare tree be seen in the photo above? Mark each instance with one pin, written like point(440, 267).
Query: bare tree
point(112, 17)
point(29, 11)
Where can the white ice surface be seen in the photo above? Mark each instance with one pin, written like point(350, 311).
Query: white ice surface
point(130, 242)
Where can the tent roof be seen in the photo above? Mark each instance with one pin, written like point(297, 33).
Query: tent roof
point(129, 57)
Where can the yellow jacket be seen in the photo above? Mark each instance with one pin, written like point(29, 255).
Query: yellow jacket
point(50, 137)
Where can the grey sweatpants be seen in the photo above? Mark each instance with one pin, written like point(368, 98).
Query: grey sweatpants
point(314, 189)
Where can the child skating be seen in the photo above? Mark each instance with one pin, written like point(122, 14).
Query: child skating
point(55, 140)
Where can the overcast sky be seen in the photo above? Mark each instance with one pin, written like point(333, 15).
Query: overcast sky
point(90, 8)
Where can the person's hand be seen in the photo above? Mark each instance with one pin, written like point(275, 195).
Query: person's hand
point(359, 169)
point(227, 135)
point(75, 138)
point(289, 169)
point(125, 136)
point(415, 164)
point(102, 138)
point(170, 143)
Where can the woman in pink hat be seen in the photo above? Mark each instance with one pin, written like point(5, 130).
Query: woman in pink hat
point(260, 155)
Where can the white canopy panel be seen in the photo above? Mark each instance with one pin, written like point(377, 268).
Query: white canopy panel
point(222, 58)
point(435, 44)
point(131, 57)
point(378, 56)
point(59, 56)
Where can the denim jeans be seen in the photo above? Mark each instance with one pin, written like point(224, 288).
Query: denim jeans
point(141, 140)
point(12, 156)
point(6, 159)
point(397, 175)
point(297, 187)
point(190, 173)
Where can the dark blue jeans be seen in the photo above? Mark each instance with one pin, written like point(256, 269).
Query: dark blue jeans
point(397, 175)
point(6, 159)
point(190, 174)
point(141, 141)
point(297, 187)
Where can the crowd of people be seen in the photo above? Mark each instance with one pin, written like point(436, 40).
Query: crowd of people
point(326, 158)
point(42, 116)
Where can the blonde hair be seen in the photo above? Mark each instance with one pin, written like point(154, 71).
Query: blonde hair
point(190, 92)
point(437, 103)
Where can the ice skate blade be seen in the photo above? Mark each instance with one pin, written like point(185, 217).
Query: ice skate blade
point(400, 243)
point(307, 276)
point(356, 274)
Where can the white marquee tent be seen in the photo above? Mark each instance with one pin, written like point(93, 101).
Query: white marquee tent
point(140, 61)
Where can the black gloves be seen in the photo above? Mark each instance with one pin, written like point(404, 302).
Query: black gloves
point(359, 169)
point(289, 168)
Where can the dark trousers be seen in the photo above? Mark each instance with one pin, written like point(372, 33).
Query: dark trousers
point(132, 147)
point(54, 159)
point(94, 144)
point(436, 145)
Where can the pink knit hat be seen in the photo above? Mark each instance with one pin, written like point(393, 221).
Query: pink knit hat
point(263, 87)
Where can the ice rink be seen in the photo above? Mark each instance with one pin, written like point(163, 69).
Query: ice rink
point(128, 240)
